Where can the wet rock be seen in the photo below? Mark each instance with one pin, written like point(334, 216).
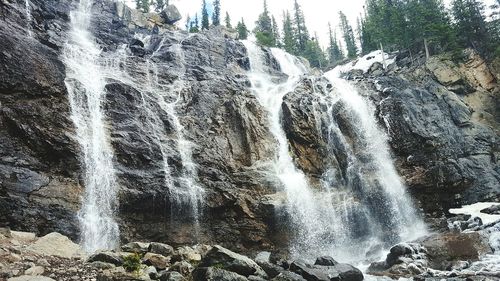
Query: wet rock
point(325, 261)
point(56, 244)
point(493, 210)
point(347, 272)
point(308, 272)
point(228, 260)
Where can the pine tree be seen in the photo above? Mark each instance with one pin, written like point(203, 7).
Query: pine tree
point(264, 28)
point(470, 24)
point(334, 52)
point(160, 5)
point(188, 22)
point(301, 33)
point(228, 21)
point(194, 25)
point(242, 30)
point(314, 54)
point(145, 6)
point(288, 34)
point(216, 14)
point(348, 35)
point(276, 33)
point(204, 16)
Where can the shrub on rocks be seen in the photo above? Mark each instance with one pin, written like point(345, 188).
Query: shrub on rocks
point(132, 262)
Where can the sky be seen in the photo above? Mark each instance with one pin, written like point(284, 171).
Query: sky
point(317, 13)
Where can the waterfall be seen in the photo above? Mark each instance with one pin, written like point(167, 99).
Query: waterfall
point(27, 7)
point(300, 198)
point(185, 193)
point(359, 210)
point(85, 83)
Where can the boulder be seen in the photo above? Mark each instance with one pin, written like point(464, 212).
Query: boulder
point(309, 272)
point(183, 267)
point(107, 257)
point(171, 14)
point(216, 274)
point(288, 276)
point(444, 250)
point(56, 244)
point(151, 272)
point(348, 272)
point(158, 261)
point(228, 260)
point(172, 276)
point(136, 247)
point(160, 248)
point(325, 261)
point(339, 271)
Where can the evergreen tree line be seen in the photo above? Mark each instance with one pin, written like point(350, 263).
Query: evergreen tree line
point(294, 37)
point(414, 25)
point(145, 5)
point(194, 25)
point(425, 25)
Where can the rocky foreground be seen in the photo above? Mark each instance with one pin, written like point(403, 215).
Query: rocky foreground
point(467, 252)
point(54, 257)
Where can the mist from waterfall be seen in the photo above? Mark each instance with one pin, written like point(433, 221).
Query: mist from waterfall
point(361, 210)
point(85, 83)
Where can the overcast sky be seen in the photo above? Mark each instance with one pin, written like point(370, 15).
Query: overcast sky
point(317, 12)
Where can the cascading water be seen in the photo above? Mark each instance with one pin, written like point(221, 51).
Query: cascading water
point(343, 217)
point(85, 84)
point(27, 7)
point(185, 193)
point(300, 199)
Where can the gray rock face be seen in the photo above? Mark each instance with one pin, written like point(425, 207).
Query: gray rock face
point(445, 155)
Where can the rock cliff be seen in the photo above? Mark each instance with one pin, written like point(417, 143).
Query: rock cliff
point(441, 119)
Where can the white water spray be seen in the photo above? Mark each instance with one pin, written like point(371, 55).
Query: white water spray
point(301, 205)
point(85, 84)
point(27, 7)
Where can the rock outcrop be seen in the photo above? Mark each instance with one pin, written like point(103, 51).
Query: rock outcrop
point(443, 127)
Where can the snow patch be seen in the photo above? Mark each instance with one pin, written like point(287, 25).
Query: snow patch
point(475, 211)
